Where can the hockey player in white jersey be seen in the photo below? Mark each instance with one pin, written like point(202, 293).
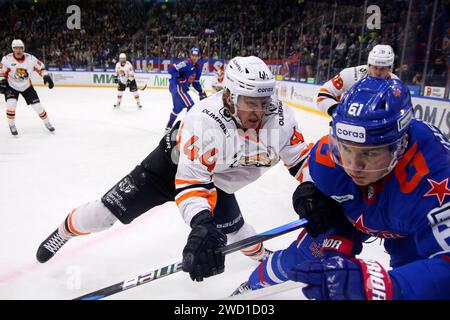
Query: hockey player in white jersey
point(379, 65)
point(124, 77)
point(225, 142)
point(15, 71)
point(217, 81)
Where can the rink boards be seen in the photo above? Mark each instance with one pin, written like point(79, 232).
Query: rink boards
point(296, 94)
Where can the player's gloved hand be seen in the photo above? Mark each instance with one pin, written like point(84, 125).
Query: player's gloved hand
point(48, 80)
point(202, 95)
point(200, 256)
point(3, 85)
point(331, 109)
point(181, 80)
point(128, 82)
point(321, 211)
point(115, 79)
point(343, 279)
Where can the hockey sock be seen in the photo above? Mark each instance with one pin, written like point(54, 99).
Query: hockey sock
point(254, 252)
point(11, 111)
point(40, 111)
point(136, 96)
point(90, 217)
point(119, 97)
point(172, 119)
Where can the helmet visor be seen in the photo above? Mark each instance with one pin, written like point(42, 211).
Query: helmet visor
point(365, 159)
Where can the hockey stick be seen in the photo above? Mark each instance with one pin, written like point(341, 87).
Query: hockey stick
point(143, 87)
point(267, 291)
point(175, 267)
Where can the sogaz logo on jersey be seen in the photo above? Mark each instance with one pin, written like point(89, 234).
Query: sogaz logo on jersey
point(351, 133)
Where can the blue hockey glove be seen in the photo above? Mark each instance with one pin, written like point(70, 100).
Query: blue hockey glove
point(337, 278)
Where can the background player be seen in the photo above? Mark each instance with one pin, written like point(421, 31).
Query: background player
point(184, 74)
point(379, 65)
point(15, 71)
point(124, 76)
point(217, 81)
point(215, 157)
point(382, 174)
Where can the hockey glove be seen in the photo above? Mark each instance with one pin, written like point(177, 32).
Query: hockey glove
point(321, 211)
point(48, 80)
point(331, 109)
point(202, 95)
point(115, 79)
point(343, 279)
point(3, 85)
point(200, 256)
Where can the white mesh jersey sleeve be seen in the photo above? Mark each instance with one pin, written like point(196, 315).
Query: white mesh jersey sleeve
point(195, 189)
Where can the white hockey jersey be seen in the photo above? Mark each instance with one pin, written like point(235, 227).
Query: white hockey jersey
point(125, 72)
point(217, 84)
point(332, 91)
point(215, 153)
point(18, 73)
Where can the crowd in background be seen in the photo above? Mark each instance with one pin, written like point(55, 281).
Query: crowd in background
point(308, 39)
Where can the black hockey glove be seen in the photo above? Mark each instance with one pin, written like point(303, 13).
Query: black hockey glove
point(331, 109)
point(48, 80)
point(3, 85)
point(202, 95)
point(321, 211)
point(115, 79)
point(200, 257)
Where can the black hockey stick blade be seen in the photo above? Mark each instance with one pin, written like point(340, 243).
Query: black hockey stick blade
point(143, 87)
point(175, 267)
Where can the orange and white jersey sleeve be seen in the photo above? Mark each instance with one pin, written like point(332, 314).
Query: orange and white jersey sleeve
point(295, 151)
point(38, 66)
point(195, 189)
point(331, 92)
point(125, 72)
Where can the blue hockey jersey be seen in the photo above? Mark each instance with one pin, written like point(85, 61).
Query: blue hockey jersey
point(186, 73)
point(409, 209)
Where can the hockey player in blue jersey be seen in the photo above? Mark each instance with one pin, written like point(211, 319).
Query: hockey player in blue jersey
point(379, 173)
point(184, 74)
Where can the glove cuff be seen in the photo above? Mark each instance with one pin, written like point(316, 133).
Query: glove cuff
point(336, 244)
point(376, 281)
point(203, 217)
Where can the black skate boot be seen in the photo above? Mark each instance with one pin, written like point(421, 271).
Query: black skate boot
point(243, 288)
point(49, 126)
point(50, 246)
point(13, 130)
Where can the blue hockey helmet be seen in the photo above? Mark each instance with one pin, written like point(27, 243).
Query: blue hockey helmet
point(373, 112)
point(195, 50)
point(372, 119)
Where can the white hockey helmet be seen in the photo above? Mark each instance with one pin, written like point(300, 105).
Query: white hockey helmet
point(248, 76)
point(16, 43)
point(123, 56)
point(382, 55)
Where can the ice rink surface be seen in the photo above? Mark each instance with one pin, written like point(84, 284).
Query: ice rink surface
point(44, 175)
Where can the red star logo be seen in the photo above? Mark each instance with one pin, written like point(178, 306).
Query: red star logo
point(359, 224)
point(438, 189)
